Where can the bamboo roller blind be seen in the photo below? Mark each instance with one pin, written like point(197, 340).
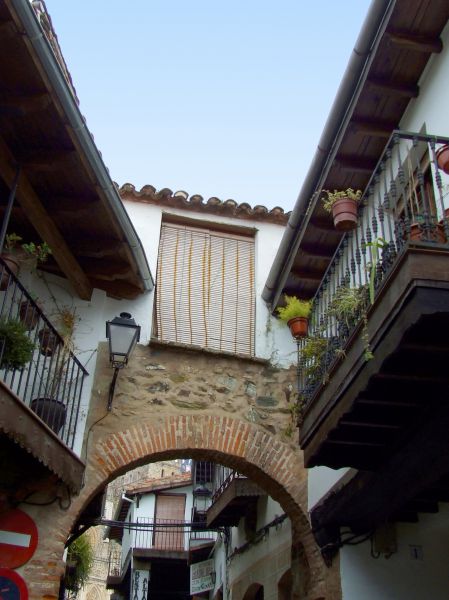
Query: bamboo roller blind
point(205, 288)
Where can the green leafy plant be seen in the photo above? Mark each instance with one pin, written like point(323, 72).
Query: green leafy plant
point(332, 197)
point(375, 247)
point(18, 348)
point(11, 241)
point(39, 251)
point(294, 307)
point(312, 355)
point(347, 306)
point(80, 558)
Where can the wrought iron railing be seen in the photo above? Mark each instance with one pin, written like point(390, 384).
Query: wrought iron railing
point(406, 203)
point(223, 477)
point(51, 381)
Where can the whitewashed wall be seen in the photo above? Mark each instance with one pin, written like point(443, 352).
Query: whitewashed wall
point(273, 339)
point(418, 571)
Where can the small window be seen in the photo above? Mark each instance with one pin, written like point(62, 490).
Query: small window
point(205, 288)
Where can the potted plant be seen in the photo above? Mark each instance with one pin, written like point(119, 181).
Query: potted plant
point(14, 254)
point(80, 558)
point(29, 312)
point(10, 257)
point(443, 158)
point(17, 348)
point(50, 407)
point(343, 206)
point(296, 314)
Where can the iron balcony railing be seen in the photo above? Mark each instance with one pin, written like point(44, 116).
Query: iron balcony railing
point(405, 203)
point(51, 381)
point(223, 477)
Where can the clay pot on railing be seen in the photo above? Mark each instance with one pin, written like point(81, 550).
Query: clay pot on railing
point(49, 341)
point(443, 158)
point(298, 327)
point(29, 315)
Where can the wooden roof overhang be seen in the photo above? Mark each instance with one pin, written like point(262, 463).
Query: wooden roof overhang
point(387, 84)
point(60, 197)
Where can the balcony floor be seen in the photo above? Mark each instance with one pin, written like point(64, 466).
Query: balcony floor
point(369, 410)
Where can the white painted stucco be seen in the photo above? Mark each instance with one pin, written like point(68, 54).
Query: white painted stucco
point(402, 576)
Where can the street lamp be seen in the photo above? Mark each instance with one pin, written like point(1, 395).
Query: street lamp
point(122, 334)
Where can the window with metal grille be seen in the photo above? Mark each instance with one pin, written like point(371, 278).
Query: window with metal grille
point(205, 288)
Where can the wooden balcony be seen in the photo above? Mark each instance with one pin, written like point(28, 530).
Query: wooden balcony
point(235, 498)
point(385, 415)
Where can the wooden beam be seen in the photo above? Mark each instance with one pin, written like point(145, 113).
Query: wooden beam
point(45, 160)
point(372, 498)
point(310, 251)
point(97, 248)
point(44, 225)
point(419, 43)
point(373, 127)
point(356, 164)
point(394, 88)
point(20, 105)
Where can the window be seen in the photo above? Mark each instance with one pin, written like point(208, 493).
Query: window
point(205, 288)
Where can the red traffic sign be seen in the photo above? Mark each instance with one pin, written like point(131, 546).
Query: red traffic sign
point(12, 586)
point(18, 539)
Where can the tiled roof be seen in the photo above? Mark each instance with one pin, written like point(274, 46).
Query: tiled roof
point(182, 200)
point(160, 483)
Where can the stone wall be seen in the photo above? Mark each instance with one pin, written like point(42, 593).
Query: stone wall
point(173, 402)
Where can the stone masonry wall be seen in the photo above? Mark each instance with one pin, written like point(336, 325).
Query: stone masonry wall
point(173, 402)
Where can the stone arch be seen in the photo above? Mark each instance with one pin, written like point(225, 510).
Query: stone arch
point(275, 465)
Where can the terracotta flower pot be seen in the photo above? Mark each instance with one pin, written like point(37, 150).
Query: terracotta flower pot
point(443, 158)
point(344, 213)
point(416, 235)
point(28, 314)
point(14, 266)
point(49, 341)
point(298, 327)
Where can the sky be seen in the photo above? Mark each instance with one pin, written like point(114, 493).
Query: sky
point(224, 98)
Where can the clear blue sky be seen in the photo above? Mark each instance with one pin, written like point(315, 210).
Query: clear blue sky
point(222, 98)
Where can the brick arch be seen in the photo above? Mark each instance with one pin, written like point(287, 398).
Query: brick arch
point(276, 466)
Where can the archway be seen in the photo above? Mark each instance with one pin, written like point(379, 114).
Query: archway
point(274, 465)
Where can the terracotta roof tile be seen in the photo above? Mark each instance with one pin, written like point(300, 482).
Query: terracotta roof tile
point(181, 199)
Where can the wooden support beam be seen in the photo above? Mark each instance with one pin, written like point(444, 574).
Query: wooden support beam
point(419, 43)
point(98, 248)
point(356, 164)
point(44, 225)
point(45, 160)
point(310, 251)
point(373, 127)
point(20, 104)
point(394, 88)
point(372, 498)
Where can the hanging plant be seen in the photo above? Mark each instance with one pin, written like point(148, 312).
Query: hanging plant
point(80, 558)
point(343, 205)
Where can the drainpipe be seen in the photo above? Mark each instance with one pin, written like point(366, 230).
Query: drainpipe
point(75, 120)
point(341, 111)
